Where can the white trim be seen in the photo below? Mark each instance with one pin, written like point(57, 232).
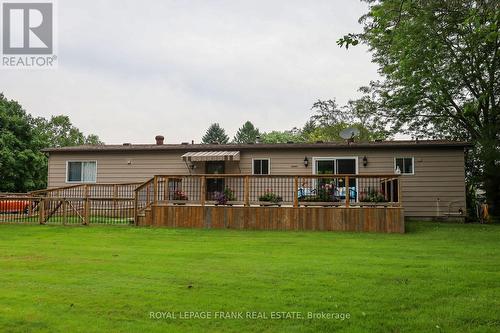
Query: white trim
point(262, 158)
point(412, 165)
point(80, 182)
point(335, 158)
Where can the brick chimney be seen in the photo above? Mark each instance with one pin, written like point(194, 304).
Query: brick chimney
point(159, 139)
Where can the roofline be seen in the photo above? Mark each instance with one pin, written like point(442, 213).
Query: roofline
point(200, 147)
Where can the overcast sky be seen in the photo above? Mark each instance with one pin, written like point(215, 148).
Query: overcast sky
point(129, 70)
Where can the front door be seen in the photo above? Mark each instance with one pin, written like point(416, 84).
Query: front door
point(214, 185)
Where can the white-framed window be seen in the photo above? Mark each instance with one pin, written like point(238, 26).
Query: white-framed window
point(404, 165)
point(335, 165)
point(81, 171)
point(261, 166)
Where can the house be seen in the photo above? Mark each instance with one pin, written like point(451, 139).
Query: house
point(431, 176)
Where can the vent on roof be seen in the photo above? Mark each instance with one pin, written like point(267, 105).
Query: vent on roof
point(378, 140)
point(320, 141)
point(126, 144)
point(159, 139)
point(289, 142)
point(184, 143)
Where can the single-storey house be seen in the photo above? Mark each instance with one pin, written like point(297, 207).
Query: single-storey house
point(431, 172)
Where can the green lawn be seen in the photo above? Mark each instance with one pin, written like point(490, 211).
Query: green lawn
point(435, 278)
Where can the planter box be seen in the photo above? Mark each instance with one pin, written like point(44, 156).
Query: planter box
point(322, 204)
point(269, 203)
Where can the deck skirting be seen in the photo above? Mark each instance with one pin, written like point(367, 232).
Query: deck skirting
point(362, 219)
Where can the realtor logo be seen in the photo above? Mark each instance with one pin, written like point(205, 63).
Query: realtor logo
point(28, 34)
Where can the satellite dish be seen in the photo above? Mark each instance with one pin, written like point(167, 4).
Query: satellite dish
point(349, 133)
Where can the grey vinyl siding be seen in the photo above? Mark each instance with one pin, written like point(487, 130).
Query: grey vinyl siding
point(438, 179)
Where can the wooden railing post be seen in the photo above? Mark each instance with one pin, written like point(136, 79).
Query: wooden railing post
point(86, 206)
point(41, 211)
point(155, 190)
point(65, 216)
point(246, 191)
point(166, 190)
point(400, 198)
point(136, 208)
point(203, 189)
point(296, 191)
point(347, 192)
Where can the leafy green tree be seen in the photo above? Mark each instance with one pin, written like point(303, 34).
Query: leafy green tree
point(330, 119)
point(440, 64)
point(309, 128)
point(293, 135)
point(22, 166)
point(248, 133)
point(215, 134)
point(60, 132)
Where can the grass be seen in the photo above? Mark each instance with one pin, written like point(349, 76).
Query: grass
point(436, 278)
point(97, 219)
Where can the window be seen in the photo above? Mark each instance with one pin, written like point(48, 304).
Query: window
point(84, 172)
point(343, 166)
point(404, 164)
point(346, 166)
point(261, 166)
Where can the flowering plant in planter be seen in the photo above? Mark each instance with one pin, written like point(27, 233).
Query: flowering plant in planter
point(223, 197)
point(179, 195)
point(270, 196)
point(373, 196)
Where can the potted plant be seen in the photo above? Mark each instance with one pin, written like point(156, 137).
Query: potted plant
point(374, 197)
point(270, 198)
point(180, 197)
point(222, 198)
point(325, 193)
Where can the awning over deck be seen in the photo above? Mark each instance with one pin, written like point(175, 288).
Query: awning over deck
point(199, 156)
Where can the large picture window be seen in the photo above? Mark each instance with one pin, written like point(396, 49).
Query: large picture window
point(261, 166)
point(405, 165)
point(81, 171)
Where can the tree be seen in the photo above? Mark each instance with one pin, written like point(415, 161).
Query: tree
point(440, 65)
point(215, 134)
point(309, 128)
point(60, 132)
point(293, 135)
point(22, 166)
point(248, 133)
point(330, 119)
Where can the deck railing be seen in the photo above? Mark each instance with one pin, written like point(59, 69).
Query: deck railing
point(74, 204)
point(124, 203)
point(274, 190)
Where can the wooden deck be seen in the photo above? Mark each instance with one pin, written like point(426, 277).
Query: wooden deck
point(367, 219)
point(369, 203)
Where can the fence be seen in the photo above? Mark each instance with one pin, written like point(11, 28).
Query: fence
point(77, 204)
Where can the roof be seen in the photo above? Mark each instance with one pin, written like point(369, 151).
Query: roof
point(232, 147)
point(223, 155)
